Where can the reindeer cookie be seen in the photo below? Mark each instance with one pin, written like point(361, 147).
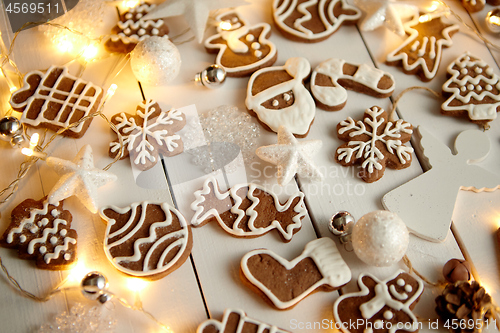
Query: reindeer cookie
point(241, 49)
point(248, 210)
point(382, 306)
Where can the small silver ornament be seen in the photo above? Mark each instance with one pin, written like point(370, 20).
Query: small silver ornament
point(493, 20)
point(211, 77)
point(341, 225)
point(11, 130)
point(103, 298)
point(93, 285)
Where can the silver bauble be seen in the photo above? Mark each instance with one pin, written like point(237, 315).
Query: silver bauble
point(211, 77)
point(493, 20)
point(341, 225)
point(93, 285)
point(11, 130)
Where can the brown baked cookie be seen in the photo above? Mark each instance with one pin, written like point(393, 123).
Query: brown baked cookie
point(380, 306)
point(146, 240)
point(421, 52)
point(241, 49)
point(42, 232)
point(473, 6)
point(236, 321)
point(132, 28)
point(284, 283)
point(332, 77)
point(277, 96)
point(248, 210)
point(148, 133)
point(312, 21)
point(374, 142)
point(55, 99)
point(472, 90)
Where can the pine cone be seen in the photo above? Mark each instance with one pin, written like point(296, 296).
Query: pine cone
point(465, 302)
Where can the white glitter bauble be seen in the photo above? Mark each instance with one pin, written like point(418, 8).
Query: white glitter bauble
point(155, 61)
point(380, 238)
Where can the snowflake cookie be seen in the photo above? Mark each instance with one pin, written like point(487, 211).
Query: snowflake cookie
point(150, 132)
point(374, 142)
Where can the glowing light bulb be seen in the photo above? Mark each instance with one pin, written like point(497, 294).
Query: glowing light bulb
point(434, 6)
point(90, 52)
point(136, 285)
point(424, 18)
point(78, 272)
point(111, 90)
point(130, 3)
point(65, 46)
point(225, 25)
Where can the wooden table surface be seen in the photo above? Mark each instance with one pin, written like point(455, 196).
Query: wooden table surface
point(209, 281)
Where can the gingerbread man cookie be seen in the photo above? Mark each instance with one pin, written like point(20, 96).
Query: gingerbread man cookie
point(42, 232)
point(277, 96)
point(241, 49)
point(236, 321)
point(146, 240)
point(312, 21)
point(248, 210)
point(381, 306)
point(284, 283)
point(55, 99)
point(421, 52)
point(331, 78)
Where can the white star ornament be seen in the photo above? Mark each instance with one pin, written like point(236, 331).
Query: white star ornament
point(79, 178)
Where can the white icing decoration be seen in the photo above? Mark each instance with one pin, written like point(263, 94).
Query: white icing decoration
point(275, 102)
point(63, 232)
point(327, 258)
point(365, 75)
point(141, 32)
point(368, 149)
point(381, 299)
point(58, 249)
point(53, 240)
point(44, 237)
point(22, 238)
point(435, 51)
point(408, 288)
point(401, 282)
point(55, 213)
point(326, 14)
point(244, 319)
point(287, 97)
point(396, 294)
point(250, 38)
point(198, 218)
point(42, 249)
point(28, 222)
point(182, 239)
point(255, 46)
point(67, 256)
point(257, 53)
point(475, 111)
point(296, 117)
point(388, 315)
point(47, 95)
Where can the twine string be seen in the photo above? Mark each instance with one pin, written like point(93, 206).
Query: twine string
point(392, 113)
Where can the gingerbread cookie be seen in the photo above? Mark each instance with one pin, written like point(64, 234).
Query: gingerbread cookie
point(421, 52)
point(42, 232)
point(284, 283)
point(312, 21)
point(248, 210)
point(472, 90)
point(374, 142)
point(132, 28)
point(382, 306)
point(148, 133)
point(236, 321)
point(241, 49)
point(55, 99)
point(145, 239)
point(473, 6)
point(332, 77)
point(277, 96)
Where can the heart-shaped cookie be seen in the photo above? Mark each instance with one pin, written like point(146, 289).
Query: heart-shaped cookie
point(285, 283)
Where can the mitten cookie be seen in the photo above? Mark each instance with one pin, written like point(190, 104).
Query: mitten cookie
point(148, 133)
point(132, 28)
point(332, 77)
point(277, 96)
point(374, 142)
point(241, 49)
point(284, 283)
point(312, 21)
point(146, 240)
point(42, 232)
point(236, 321)
point(248, 210)
point(55, 99)
point(421, 52)
point(472, 90)
point(381, 306)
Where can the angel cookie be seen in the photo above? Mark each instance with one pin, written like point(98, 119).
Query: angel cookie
point(473, 90)
point(248, 210)
point(277, 96)
point(381, 306)
point(312, 21)
point(145, 239)
point(132, 28)
point(285, 283)
point(331, 78)
point(241, 49)
point(421, 52)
